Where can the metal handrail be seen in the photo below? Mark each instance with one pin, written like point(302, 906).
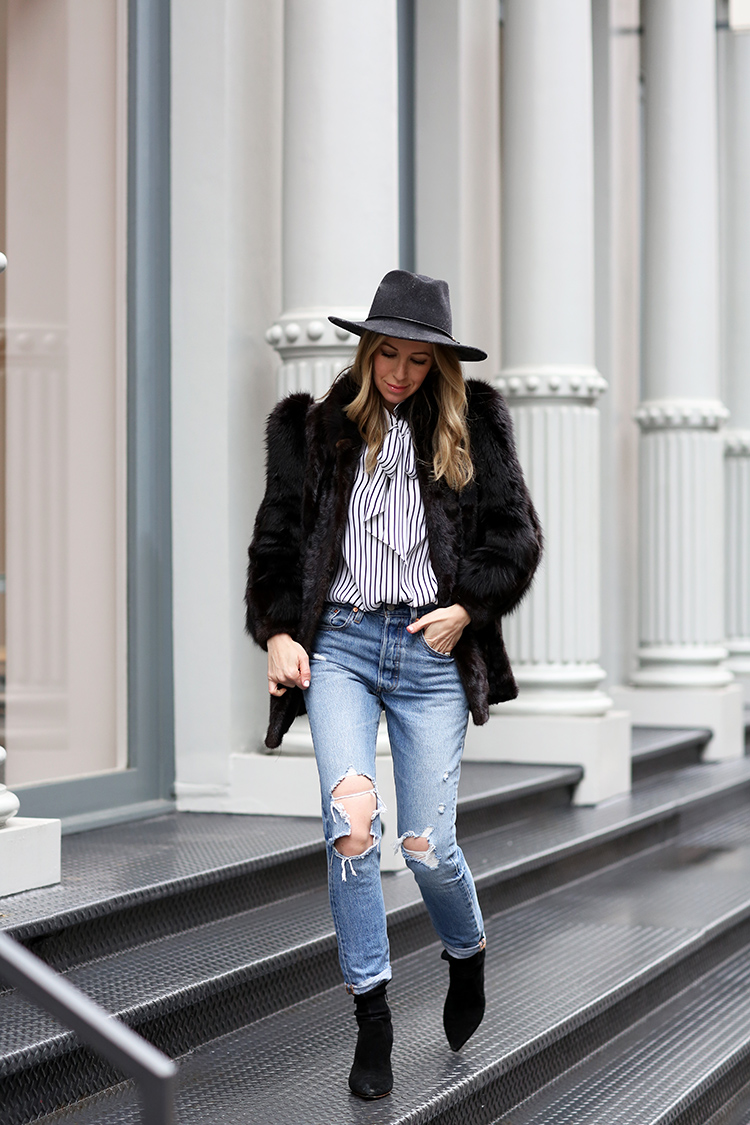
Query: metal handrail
point(124, 1048)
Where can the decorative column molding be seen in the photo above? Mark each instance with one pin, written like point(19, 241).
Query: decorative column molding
point(552, 386)
point(313, 351)
point(340, 196)
point(9, 803)
point(681, 676)
point(681, 531)
point(734, 118)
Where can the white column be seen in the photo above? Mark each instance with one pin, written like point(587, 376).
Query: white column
point(735, 119)
point(340, 192)
point(681, 676)
point(552, 386)
point(457, 163)
point(340, 236)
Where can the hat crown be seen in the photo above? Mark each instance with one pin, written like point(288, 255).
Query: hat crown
point(412, 296)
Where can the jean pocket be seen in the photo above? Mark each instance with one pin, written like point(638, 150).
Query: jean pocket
point(338, 617)
point(433, 651)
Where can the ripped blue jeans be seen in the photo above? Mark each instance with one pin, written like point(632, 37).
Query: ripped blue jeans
point(363, 663)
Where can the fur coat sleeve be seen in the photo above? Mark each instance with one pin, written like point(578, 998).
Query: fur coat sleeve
point(274, 576)
point(495, 574)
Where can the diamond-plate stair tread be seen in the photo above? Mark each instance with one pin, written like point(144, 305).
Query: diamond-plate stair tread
point(735, 1112)
point(249, 942)
point(665, 903)
point(291, 1067)
point(659, 1067)
point(125, 863)
point(654, 742)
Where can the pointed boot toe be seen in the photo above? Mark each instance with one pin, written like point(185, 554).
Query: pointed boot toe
point(465, 1003)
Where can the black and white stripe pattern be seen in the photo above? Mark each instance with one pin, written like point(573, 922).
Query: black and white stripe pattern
point(385, 554)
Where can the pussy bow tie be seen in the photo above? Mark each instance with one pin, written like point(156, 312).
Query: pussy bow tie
point(393, 511)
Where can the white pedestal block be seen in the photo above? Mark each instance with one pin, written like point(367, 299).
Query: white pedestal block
point(721, 709)
point(29, 854)
point(600, 744)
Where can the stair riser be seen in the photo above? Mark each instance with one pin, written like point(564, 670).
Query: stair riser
point(486, 817)
point(497, 894)
point(665, 763)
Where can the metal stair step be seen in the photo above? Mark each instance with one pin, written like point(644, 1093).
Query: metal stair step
point(657, 749)
point(650, 957)
point(205, 865)
point(191, 987)
point(678, 1064)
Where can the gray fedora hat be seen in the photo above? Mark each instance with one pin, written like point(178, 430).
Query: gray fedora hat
point(411, 306)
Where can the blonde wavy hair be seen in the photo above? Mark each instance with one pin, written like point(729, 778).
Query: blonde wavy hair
point(450, 442)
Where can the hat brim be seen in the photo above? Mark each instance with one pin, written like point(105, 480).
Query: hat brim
point(410, 330)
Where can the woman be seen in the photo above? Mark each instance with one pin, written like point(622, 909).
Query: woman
point(395, 531)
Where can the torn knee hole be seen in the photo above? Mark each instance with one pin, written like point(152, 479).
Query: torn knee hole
point(419, 848)
point(354, 806)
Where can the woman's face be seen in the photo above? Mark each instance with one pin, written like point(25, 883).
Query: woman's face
point(400, 367)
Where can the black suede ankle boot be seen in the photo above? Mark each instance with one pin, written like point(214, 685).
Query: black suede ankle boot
point(464, 1004)
point(371, 1075)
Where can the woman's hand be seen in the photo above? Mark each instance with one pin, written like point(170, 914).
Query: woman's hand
point(288, 665)
point(442, 627)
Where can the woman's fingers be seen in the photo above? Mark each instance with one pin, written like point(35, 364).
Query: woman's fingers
point(288, 666)
point(423, 622)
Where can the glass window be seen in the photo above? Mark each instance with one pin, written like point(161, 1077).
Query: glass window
point(63, 139)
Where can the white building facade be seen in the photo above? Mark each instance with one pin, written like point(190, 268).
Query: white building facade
point(191, 189)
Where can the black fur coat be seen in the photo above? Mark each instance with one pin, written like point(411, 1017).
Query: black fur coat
point(485, 542)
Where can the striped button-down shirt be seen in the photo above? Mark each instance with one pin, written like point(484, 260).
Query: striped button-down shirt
point(385, 554)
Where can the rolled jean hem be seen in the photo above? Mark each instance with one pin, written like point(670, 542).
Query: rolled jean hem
point(464, 954)
point(371, 982)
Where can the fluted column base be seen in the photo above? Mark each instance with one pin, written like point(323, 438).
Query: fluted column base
point(681, 545)
point(313, 351)
point(682, 666)
point(558, 689)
